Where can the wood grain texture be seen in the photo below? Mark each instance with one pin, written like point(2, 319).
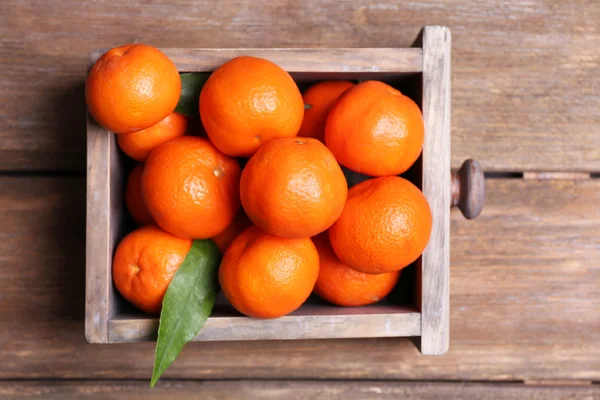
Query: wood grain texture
point(306, 390)
point(556, 175)
point(524, 76)
point(435, 273)
point(98, 253)
point(349, 60)
point(105, 218)
point(309, 322)
point(524, 298)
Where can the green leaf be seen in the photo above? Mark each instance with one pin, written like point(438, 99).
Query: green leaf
point(191, 85)
point(188, 302)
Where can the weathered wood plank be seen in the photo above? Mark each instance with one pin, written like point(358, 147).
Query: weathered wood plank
point(99, 230)
point(305, 323)
point(525, 91)
point(313, 390)
point(524, 298)
point(435, 272)
point(317, 60)
point(350, 60)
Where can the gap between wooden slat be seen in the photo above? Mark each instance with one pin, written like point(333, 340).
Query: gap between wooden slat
point(542, 175)
point(503, 175)
point(276, 379)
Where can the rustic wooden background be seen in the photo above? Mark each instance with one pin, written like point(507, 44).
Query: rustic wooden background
point(525, 276)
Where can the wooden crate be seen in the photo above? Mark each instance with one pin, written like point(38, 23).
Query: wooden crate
point(423, 72)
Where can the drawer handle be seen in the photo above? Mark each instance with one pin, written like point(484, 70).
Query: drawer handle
point(468, 189)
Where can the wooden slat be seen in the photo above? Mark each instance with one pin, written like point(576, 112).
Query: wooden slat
point(525, 91)
point(350, 60)
point(104, 221)
point(305, 323)
point(524, 298)
point(293, 60)
point(557, 382)
point(314, 390)
point(98, 237)
point(435, 275)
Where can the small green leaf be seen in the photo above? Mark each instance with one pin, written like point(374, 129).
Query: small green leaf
point(188, 302)
point(307, 106)
point(191, 85)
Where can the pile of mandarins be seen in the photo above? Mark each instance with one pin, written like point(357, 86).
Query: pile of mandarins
point(286, 223)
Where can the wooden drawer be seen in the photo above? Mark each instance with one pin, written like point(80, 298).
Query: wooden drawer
point(422, 310)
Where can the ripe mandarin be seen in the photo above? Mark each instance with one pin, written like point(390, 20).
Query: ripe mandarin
point(320, 97)
point(191, 189)
point(384, 227)
point(247, 102)
point(293, 188)
point(145, 262)
point(265, 276)
point(132, 87)
point(139, 144)
point(134, 201)
point(375, 130)
point(341, 285)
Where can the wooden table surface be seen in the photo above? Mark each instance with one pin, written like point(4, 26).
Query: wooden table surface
point(525, 276)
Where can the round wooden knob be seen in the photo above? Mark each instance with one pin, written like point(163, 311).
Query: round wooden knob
point(468, 189)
